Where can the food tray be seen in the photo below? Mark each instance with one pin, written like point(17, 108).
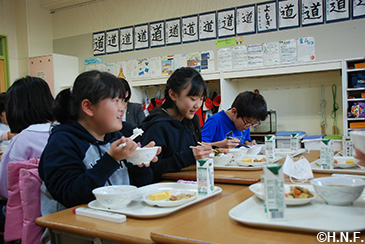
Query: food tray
point(316, 168)
point(139, 209)
point(313, 217)
point(287, 151)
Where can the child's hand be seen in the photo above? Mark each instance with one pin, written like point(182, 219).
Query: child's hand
point(203, 151)
point(120, 153)
point(252, 143)
point(151, 144)
point(360, 156)
point(229, 143)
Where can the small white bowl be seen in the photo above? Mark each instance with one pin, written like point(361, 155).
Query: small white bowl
point(143, 155)
point(338, 190)
point(238, 154)
point(222, 159)
point(258, 190)
point(252, 160)
point(114, 197)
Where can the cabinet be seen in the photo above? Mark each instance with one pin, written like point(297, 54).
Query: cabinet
point(59, 71)
point(353, 88)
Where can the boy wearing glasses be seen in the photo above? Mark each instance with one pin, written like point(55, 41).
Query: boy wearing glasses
point(230, 128)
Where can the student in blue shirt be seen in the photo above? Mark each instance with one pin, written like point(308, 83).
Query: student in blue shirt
point(229, 128)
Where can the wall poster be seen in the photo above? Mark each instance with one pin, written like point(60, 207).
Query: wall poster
point(112, 41)
point(157, 34)
point(266, 16)
point(226, 23)
point(126, 39)
point(173, 31)
point(312, 12)
point(99, 43)
point(337, 10)
point(189, 28)
point(207, 26)
point(246, 20)
point(288, 14)
point(141, 36)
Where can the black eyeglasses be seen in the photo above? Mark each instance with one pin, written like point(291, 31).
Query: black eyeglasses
point(251, 124)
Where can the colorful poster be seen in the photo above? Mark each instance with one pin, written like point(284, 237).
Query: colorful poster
point(288, 51)
point(207, 62)
point(167, 65)
point(193, 60)
point(306, 49)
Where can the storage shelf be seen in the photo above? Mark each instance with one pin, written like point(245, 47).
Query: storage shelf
point(355, 70)
point(252, 72)
point(346, 82)
point(355, 99)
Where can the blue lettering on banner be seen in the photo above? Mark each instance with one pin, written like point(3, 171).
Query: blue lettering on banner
point(97, 60)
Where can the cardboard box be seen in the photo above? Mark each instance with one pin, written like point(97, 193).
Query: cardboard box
point(360, 65)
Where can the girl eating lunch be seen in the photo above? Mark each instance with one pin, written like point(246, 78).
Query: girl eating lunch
point(175, 126)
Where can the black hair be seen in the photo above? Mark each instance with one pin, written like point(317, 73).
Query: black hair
point(2, 101)
point(250, 105)
point(28, 101)
point(92, 85)
point(181, 79)
point(127, 89)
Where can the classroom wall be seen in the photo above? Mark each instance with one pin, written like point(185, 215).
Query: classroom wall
point(296, 98)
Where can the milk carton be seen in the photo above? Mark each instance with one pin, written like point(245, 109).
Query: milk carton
point(270, 147)
point(205, 176)
point(348, 147)
point(326, 159)
point(294, 142)
point(273, 180)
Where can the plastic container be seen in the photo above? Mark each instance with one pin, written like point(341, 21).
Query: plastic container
point(314, 142)
point(283, 138)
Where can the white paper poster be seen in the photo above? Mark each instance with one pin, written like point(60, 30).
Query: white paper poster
point(306, 49)
point(239, 57)
point(255, 55)
point(155, 67)
point(110, 67)
point(224, 59)
point(180, 61)
point(288, 51)
point(271, 53)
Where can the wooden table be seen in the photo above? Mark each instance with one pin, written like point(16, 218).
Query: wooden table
point(204, 222)
point(235, 176)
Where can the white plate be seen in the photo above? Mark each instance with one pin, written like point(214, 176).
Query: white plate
point(258, 190)
point(316, 168)
point(167, 202)
point(235, 166)
point(253, 158)
point(344, 165)
point(287, 151)
point(314, 217)
point(139, 209)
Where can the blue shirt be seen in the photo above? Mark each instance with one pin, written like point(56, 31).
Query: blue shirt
point(219, 125)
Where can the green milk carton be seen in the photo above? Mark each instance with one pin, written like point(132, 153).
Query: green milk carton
point(270, 148)
point(327, 157)
point(205, 176)
point(273, 180)
point(294, 142)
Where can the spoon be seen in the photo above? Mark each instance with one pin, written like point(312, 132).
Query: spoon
point(136, 132)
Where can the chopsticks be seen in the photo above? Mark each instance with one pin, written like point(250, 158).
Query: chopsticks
point(241, 144)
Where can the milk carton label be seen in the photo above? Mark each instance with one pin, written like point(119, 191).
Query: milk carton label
point(294, 142)
point(270, 147)
point(326, 160)
point(274, 191)
point(205, 176)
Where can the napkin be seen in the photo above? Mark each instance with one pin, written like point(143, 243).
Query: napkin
point(300, 170)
